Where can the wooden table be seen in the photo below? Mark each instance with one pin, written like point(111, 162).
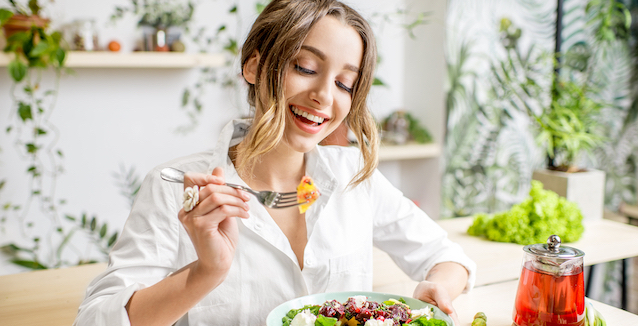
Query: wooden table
point(497, 302)
point(48, 297)
point(603, 241)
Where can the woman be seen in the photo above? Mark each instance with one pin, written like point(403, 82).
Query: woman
point(229, 260)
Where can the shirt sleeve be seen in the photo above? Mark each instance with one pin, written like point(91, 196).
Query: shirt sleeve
point(411, 238)
point(144, 254)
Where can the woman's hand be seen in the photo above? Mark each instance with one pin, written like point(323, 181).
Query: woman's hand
point(437, 295)
point(211, 225)
point(444, 283)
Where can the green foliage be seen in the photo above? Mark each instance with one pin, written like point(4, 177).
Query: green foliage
point(533, 220)
point(34, 48)
point(157, 13)
point(35, 136)
point(33, 7)
point(31, 257)
point(418, 132)
point(424, 321)
point(129, 183)
point(611, 20)
point(569, 126)
point(325, 321)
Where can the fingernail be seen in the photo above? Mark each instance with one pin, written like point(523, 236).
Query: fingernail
point(245, 196)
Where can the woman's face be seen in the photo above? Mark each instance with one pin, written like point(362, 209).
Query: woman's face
point(319, 82)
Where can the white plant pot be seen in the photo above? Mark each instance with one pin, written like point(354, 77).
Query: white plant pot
point(586, 189)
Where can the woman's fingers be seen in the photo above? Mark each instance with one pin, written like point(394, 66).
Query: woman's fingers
point(202, 179)
point(437, 295)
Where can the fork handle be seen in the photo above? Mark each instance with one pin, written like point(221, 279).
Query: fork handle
point(177, 176)
point(240, 187)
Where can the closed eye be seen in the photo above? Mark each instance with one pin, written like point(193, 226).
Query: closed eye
point(344, 87)
point(304, 70)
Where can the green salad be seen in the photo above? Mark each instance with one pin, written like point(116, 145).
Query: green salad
point(357, 310)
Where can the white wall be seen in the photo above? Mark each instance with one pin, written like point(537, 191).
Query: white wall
point(113, 117)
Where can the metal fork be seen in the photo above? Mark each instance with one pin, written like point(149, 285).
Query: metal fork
point(270, 199)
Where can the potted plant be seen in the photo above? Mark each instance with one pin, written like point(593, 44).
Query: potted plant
point(28, 39)
point(21, 18)
point(156, 17)
point(567, 129)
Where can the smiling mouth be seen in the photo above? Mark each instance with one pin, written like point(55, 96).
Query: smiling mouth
point(306, 117)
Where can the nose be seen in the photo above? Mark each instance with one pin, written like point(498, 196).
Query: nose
point(321, 92)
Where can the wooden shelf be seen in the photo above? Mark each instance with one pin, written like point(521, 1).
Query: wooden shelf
point(104, 59)
point(408, 151)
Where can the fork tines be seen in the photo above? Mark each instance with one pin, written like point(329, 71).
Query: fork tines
point(287, 200)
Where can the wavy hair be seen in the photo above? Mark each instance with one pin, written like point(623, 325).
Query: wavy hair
point(277, 35)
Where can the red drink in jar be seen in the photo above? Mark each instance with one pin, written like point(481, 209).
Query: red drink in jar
point(551, 290)
point(544, 299)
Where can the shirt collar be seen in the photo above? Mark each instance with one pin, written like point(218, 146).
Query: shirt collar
point(232, 133)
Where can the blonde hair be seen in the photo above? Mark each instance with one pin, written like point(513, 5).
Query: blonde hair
point(277, 35)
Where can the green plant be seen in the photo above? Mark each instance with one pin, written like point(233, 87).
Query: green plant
point(33, 7)
point(569, 126)
point(158, 13)
point(415, 131)
point(610, 18)
point(35, 49)
point(32, 256)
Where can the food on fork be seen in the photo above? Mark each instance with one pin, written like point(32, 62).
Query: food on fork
point(307, 193)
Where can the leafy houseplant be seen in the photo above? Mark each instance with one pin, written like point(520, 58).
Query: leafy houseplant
point(569, 126)
point(29, 41)
point(34, 49)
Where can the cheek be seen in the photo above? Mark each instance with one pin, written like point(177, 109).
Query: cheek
point(343, 107)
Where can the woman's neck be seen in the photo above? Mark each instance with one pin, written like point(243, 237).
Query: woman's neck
point(281, 169)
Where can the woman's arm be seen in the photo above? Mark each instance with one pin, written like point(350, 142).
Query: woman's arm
point(213, 231)
point(168, 300)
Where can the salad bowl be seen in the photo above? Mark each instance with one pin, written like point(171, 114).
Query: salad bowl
point(275, 316)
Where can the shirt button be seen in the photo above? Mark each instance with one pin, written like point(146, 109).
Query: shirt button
point(309, 262)
point(257, 226)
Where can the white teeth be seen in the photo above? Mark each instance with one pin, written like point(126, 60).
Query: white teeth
point(307, 115)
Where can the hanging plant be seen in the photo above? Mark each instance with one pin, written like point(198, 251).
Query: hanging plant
point(35, 50)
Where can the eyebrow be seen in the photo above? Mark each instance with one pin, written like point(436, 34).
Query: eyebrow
point(322, 56)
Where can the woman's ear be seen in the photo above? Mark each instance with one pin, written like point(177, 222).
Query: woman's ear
point(249, 70)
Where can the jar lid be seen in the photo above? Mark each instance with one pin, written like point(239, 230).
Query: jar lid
point(553, 249)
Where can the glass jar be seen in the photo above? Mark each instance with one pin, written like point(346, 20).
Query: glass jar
point(397, 128)
point(551, 290)
point(84, 35)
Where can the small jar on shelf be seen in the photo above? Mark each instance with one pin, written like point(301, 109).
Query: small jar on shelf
point(84, 35)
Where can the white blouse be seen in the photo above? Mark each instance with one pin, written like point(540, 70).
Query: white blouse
point(343, 225)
